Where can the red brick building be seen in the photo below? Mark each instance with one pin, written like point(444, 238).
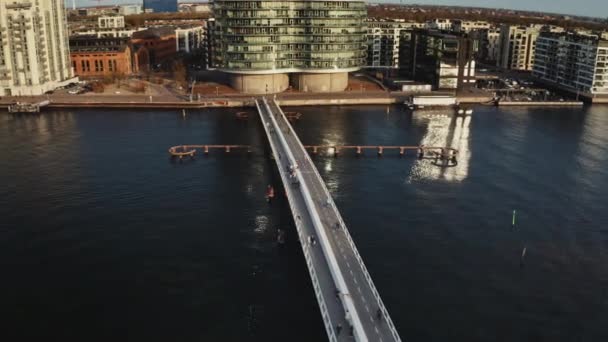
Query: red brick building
point(160, 42)
point(101, 57)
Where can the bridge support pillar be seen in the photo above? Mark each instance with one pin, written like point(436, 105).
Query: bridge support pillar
point(206, 149)
point(358, 151)
point(380, 151)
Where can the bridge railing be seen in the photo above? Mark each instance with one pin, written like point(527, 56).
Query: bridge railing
point(329, 327)
point(368, 278)
point(352, 315)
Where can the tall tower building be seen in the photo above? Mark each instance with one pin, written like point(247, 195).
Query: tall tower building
point(34, 52)
point(266, 45)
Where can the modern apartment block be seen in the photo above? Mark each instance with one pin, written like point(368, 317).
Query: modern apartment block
point(383, 39)
point(517, 46)
point(262, 43)
point(34, 53)
point(157, 6)
point(190, 39)
point(490, 45)
point(575, 62)
point(445, 61)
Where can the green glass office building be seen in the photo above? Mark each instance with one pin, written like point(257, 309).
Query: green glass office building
point(266, 45)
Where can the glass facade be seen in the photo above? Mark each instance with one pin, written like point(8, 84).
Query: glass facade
point(161, 5)
point(289, 36)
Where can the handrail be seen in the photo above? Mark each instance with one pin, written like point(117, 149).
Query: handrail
point(349, 306)
point(351, 242)
point(315, 280)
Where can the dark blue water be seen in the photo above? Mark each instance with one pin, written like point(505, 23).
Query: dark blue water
point(103, 238)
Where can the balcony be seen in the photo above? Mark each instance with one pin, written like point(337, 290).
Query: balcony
point(23, 5)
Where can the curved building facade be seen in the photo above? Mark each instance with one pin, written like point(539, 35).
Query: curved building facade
point(293, 36)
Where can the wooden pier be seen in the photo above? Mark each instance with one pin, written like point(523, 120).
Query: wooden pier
point(446, 153)
point(431, 152)
point(183, 151)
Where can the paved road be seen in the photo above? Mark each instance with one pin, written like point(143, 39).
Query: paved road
point(376, 325)
point(168, 97)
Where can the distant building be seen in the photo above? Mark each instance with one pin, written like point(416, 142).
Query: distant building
point(490, 48)
point(160, 5)
point(195, 8)
point(466, 26)
point(97, 11)
point(439, 24)
point(190, 39)
point(160, 42)
point(110, 33)
point(111, 22)
point(442, 60)
point(34, 54)
point(383, 37)
point(518, 46)
point(130, 9)
point(572, 61)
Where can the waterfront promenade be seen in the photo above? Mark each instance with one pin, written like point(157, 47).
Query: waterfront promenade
point(167, 100)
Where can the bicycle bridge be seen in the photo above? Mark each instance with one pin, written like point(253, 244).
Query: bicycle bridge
point(350, 304)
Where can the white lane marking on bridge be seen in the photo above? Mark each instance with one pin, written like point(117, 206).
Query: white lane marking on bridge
point(376, 329)
point(366, 307)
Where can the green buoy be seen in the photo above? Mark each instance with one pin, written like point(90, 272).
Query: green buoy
point(513, 221)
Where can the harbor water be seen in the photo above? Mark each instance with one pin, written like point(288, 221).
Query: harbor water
point(103, 237)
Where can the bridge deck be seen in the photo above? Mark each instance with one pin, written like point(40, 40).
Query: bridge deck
point(344, 289)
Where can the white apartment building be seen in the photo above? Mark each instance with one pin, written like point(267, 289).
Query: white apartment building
point(383, 41)
point(34, 52)
point(467, 26)
point(190, 39)
point(439, 24)
point(517, 46)
point(130, 9)
point(111, 22)
point(573, 61)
